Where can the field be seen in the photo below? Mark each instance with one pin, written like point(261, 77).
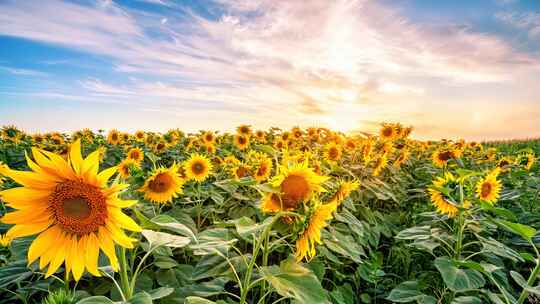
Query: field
point(267, 216)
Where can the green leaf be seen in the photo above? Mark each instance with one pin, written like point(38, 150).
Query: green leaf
point(405, 292)
point(495, 247)
point(458, 279)
point(523, 283)
point(466, 300)
point(96, 300)
point(169, 223)
point(526, 232)
point(165, 239)
point(295, 281)
point(160, 292)
point(141, 298)
point(198, 300)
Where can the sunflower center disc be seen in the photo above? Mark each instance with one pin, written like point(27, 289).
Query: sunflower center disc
point(77, 207)
point(161, 183)
point(198, 168)
point(486, 189)
point(295, 189)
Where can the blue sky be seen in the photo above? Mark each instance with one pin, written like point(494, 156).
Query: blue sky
point(452, 69)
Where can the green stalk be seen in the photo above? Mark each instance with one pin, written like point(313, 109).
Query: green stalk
point(124, 278)
point(532, 277)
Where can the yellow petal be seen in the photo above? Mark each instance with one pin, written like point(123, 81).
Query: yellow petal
point(75, 156)
point(44, 241)
point(105, 175)
point(26, 216)
point(78, 261)
point(107, 245)
point(124, 221)
point(119, 236)
point(90, 167)
point(31, 179)
point(91, 250)
point(120, 203)
point(22, 197)
point(59, 255)
point(60, 165)
point(22, 230)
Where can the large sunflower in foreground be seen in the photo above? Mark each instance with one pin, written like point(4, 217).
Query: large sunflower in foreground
point(488, 189)
point(198, 167)
point(305, 245)
point(69, 205)
point(163, 185)
point(296, 184)
point(438, 199)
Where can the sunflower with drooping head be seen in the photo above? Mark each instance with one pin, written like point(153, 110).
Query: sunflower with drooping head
point(72, 209)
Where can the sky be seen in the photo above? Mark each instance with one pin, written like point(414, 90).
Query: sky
point(452, 69)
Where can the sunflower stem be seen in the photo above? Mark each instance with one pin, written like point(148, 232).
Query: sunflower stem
point(66, 280)
point(124, 278)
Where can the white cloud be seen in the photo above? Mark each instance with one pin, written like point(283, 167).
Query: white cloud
point(529, 21)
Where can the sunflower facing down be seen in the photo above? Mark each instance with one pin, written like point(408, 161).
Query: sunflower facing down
point(305, 245)
point(198, 168)
point(380, 164)
point(296, 184)
point(69, 205)
point(345, 189)
point(163, 185)
point(438, 198)
point(488, 189)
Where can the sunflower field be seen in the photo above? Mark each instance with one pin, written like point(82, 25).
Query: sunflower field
point(267, 216)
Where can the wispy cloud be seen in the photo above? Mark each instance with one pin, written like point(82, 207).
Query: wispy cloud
point(528, 21)
point(23, 72)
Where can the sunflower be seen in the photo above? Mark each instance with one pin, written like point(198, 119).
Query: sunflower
point(124, 137)
point(57, 139)
point(526, 160)
point(280, 144)
point(240, 171)
point(263, 170)
point(241, 141)
point(71, 208)
point(12, 133)
point(140, 136)
point(388, 132)
point(160, 147)
point(163, 185)
point(210, 148)
point(438, 198)
point(285, 136)
point(125, 166)
point(367, 149)
point(403, 156)
point(208, 137)
point(296, 184)
point(305, 245)
point(135, 154)
point(297, 132)
point(344, 190)
point(505, 163)
point(332, 152)
point(38, 138)
point(350, 144)
point(380, 164)
point(488, 189)
point(244, 130)
point(261, 136)
point(198, 167)
point(113, 137)
point(441, 157)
